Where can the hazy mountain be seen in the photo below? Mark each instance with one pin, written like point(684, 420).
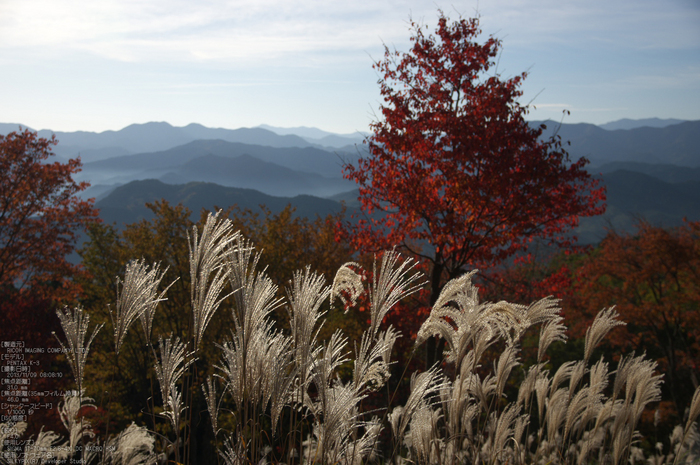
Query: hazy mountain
point(133, 138)
point(309, 132)
point(126, 204)
point(349, 198)
point(664, 172)
point(633, 195)
point(249, 172)
point(672, 144)
point(320, 137)
point(152, 137)
point(6, 128)
point(627, 123)
point(678, 144)
point(253, 136)
point(307, 159)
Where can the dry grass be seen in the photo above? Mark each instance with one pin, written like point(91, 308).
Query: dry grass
point(280, 398)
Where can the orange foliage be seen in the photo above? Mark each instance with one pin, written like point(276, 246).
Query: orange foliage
point(39, 216)
point(652, 279)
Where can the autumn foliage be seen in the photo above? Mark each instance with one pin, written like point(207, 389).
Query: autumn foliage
point(653, 279)
point(455, 173)
point(39, 216)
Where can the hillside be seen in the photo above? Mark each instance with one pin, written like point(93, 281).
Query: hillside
point(633, 196)
point(126, 204)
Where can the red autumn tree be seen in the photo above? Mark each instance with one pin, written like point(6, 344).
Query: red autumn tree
point(39, 216)
point(456, 175)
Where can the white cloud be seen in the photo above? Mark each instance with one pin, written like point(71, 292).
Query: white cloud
point(255, 31)
point(176, 30)
point(209, 57)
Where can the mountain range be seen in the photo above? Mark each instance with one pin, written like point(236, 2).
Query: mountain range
point(651, 168)
point(159, 136)
point(127, 204)
point(676, 144)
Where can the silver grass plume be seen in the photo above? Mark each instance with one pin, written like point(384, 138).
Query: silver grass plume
point(591, 441)
point(75, 327)
point(173, 408)
point(422, 434)
point(506, 362)
point(372, 361)
point(504, 428)
point(305, 294)
point(364, 448)
point(463, 293)
point(598, 383)
point(279, 379)
point(641, 388)
point(393, 282)
point(323, 368)
point(544, 311)
point(269, 373)
point(257, 360)
point(347, 282)
point(562, 374)
point(340, 418)
point(137, 297)
point(172, 365)
point(133, 446)
point(577, 374)
point(694, 410)
point(527, 387)
point(584, 400)
point(686, 446)
point(43, 449)
point(209, 390)
point(207, 254)
point(604, 321)
point(542, 385)
point(690, 428)
point(458, 318)
point(423, 385)
point(553, 330)
point(254, 294)
point(556, 405)
point(483, 389)
point(459, 407)
point(77, 427)
point(235, 452)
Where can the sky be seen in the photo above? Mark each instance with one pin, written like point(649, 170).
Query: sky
point(71, 65)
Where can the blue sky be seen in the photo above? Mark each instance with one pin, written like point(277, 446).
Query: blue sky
point(97, 65)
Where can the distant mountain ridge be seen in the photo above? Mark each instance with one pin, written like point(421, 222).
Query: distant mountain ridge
point(645, 140)
point(665, 172)
point(127, 204)
point(626, 123)
point(155, 136)
point(248, 172)
point(678, 144)
point(276, 171)
point(651, 172)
